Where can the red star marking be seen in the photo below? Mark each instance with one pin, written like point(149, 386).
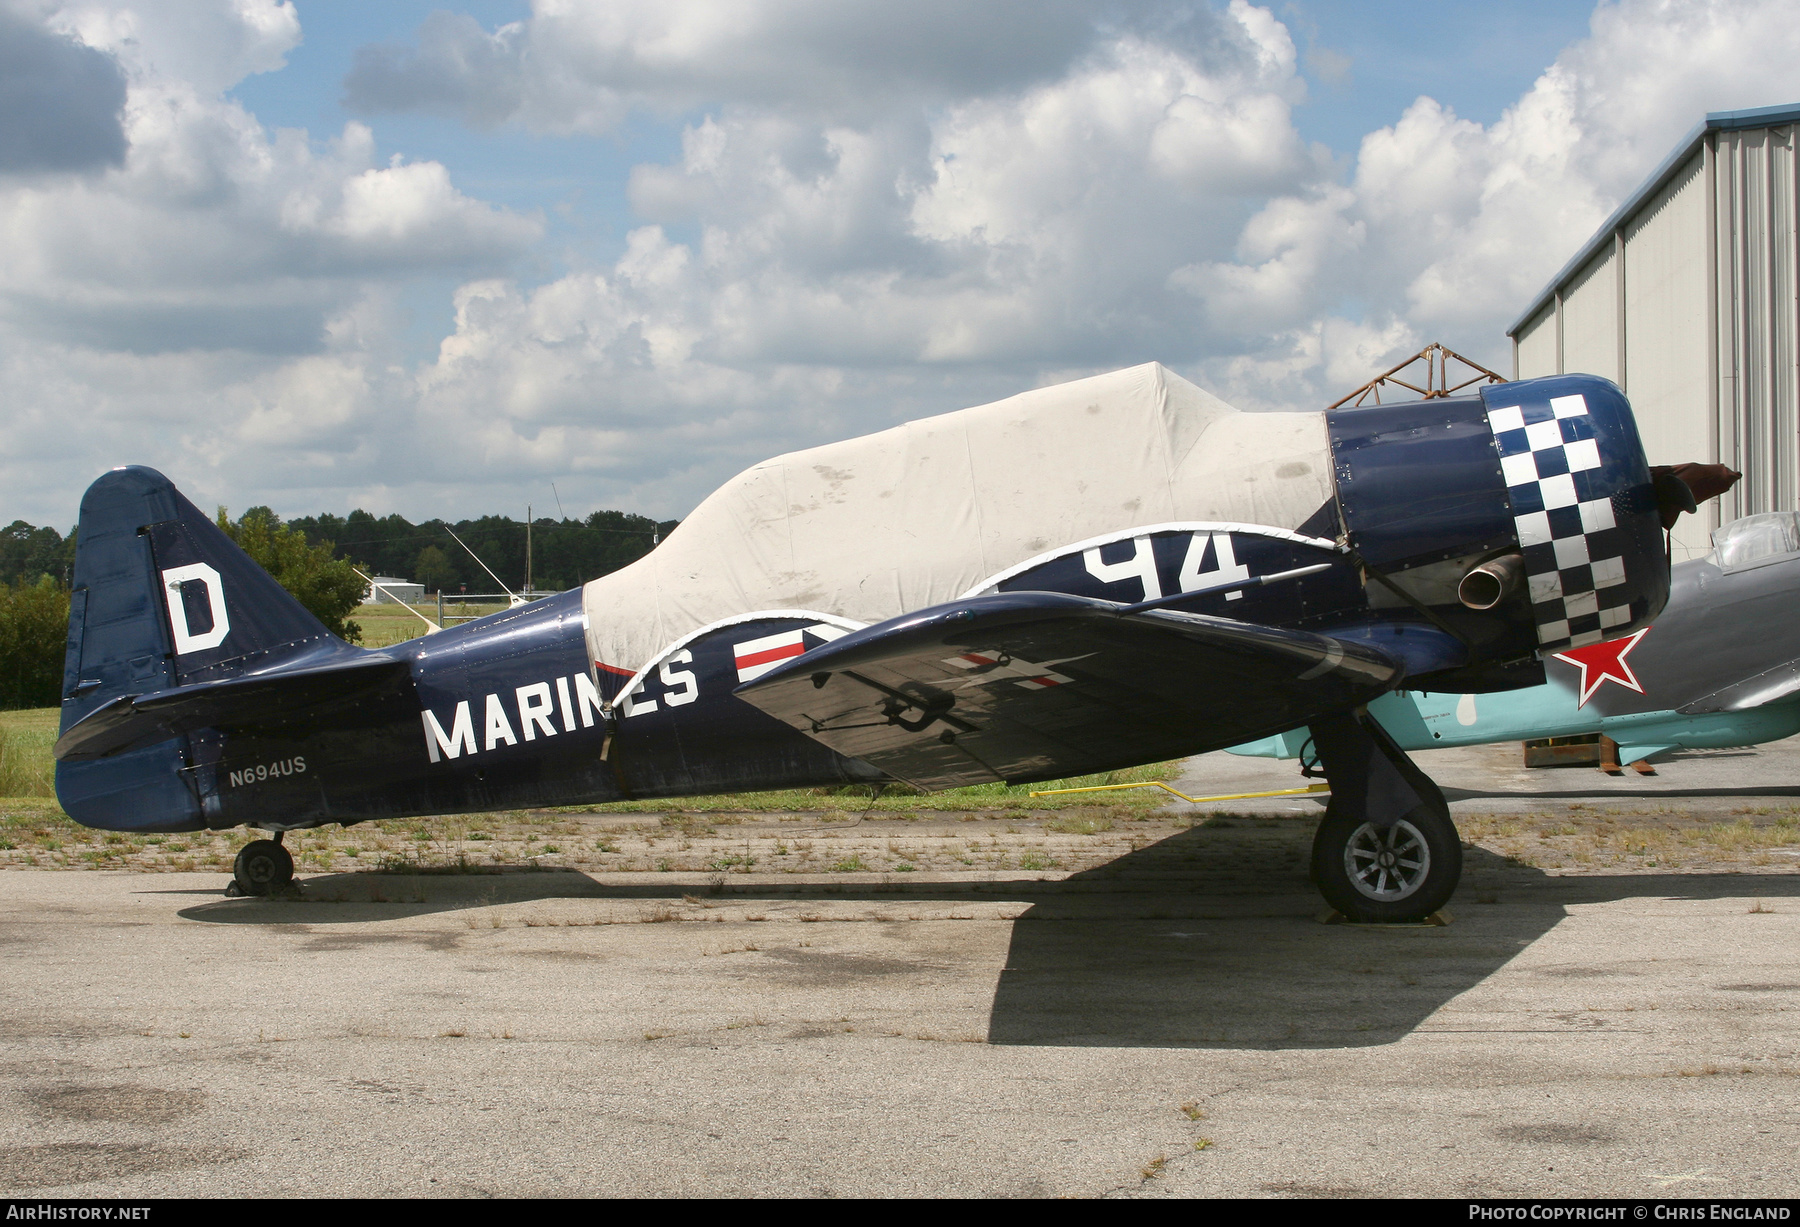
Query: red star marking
point(1601, 662)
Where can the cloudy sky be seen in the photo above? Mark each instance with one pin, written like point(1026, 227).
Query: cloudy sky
point(433, 261)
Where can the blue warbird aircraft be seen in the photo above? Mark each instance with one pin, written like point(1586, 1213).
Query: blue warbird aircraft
point(1085, 577)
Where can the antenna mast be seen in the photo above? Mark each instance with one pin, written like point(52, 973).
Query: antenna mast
point(515, 597)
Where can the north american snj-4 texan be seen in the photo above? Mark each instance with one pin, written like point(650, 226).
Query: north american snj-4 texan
point(1109, 572)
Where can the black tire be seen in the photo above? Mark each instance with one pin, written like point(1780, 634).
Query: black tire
point(263, 868)
point(1401, 875)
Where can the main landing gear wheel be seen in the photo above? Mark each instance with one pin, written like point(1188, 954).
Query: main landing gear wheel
point(1403, 873)
point(263, 868)
point(1387, 851)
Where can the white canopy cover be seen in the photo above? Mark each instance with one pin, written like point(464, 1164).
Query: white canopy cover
point(873, 527)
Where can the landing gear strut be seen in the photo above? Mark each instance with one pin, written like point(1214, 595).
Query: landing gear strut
point(1387, 850)
point(263, 867)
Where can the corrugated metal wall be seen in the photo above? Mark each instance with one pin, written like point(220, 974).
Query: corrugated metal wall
point(1590, 309)
point(1692, 309)
point(1535, 353)
point(1759, 431)
point(1666, 333)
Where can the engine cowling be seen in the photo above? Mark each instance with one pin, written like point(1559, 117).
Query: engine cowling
point(1550, 470)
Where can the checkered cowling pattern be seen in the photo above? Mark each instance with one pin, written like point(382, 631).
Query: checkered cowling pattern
point(1573, 549)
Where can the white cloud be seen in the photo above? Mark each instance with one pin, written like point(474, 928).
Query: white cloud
point(59, 101)
point(1454, 226)
point(210, 45)
point(1134, 195)
point(876, 213)
point(218, 299)
point(846, 276)
point(575, 67)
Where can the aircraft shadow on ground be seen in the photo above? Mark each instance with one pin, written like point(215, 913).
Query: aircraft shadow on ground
point(1215, 967)
point(1210, 938)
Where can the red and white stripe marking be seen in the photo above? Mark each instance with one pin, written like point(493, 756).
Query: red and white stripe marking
point(758, 656)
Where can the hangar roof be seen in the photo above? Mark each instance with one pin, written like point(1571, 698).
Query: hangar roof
point(1715, 121)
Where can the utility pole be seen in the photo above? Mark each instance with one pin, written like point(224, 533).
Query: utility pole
point(528, 547)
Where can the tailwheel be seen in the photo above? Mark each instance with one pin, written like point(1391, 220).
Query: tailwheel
point(262, 868)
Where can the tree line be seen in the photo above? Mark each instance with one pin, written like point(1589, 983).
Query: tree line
point(564, 553)
point(315, 558)
point(35, 564)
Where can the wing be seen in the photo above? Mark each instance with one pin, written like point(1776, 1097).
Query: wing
point(1027, 686)
point(1755, 691)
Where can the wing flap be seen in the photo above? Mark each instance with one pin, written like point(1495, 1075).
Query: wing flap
point(1026, 686)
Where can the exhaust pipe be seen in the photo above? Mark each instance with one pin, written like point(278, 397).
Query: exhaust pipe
point(1491, 582)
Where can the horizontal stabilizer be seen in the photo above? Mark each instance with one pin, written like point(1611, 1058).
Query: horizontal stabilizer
point(305, 686)
point(1025, 686)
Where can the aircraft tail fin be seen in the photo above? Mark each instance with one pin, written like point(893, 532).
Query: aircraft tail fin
point(162, 598)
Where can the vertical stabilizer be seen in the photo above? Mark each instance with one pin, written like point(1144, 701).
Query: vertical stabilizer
point(162, 598)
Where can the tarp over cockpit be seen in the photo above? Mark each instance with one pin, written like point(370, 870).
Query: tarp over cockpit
point(872, 527)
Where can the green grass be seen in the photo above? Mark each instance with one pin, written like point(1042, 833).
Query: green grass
point(901, 798)
point(26, 768)
point(385, 625)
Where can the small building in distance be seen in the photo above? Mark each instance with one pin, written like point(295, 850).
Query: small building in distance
point(404, 590)
point(1686, 299)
